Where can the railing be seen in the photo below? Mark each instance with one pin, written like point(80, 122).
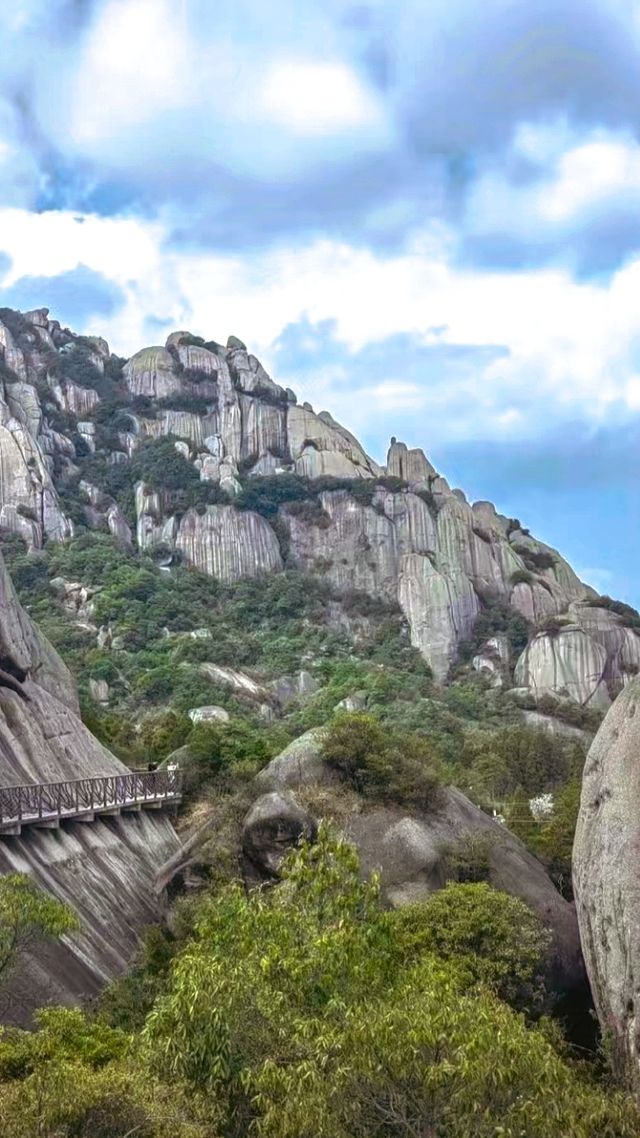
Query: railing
point(85, 796)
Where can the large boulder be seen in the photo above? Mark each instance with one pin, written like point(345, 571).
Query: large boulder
point(300, 764)
point(273, 826)
point(412, 854)
point(607, 878)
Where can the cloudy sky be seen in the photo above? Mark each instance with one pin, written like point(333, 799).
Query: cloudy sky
point(423, 215)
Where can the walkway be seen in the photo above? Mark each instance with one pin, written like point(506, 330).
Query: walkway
point(46, 805)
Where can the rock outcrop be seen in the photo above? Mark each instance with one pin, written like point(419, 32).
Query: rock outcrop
point(273, 826)
point(606, 878)
point(411, 853)
point(105, 870)
point(398, 532)
point(567, 661)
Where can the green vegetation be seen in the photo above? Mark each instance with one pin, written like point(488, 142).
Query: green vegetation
point(26, 915)
point(493, 936)
point(266, 495)
point(496, 618)
point(310, 1001)
point(382, 763)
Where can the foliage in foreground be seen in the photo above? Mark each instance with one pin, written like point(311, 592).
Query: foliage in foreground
point(27, 914)
point(308, 1010)
point(310, 1003)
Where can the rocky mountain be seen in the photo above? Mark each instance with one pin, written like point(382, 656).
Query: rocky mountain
point(193, 453)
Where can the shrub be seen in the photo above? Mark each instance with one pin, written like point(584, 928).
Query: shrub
point(266, 495)
point(380, 762)
point(496, 937)
point(469, 859)
point(537, 558)
point(309, 511)
point(521, 577)
point(309, 1003)
point(27, 913)
point(553, 625)
point(496, 617)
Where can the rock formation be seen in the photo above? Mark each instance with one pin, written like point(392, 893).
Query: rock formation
point(397, 532)
point(105, 870)
point(607, 880)
point(410, 852)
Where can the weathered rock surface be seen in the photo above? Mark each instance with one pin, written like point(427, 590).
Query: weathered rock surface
point(106, 872)
point(607, 881)
point(300, 764)
point(228, 544)
point(274, 824)
point(441, 608)
point(568, 661)
point(106, 869)
point(239, 682)
point(413, 541)
point(209, 714)
point(492, 660)
point(289, 689)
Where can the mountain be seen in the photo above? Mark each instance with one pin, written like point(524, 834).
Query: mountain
point(205, 572)
point(193, 454)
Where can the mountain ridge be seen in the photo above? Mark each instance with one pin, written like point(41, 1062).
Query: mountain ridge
point(192, 452)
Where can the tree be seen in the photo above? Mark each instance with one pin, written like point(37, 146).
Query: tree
point(26, 915)
point(382, 762)
point(308, 1009)
point(496, 938)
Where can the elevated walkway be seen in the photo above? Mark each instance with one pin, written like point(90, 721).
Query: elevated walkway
point(46, 805)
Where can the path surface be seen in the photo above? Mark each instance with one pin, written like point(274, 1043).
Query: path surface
point(48, 804)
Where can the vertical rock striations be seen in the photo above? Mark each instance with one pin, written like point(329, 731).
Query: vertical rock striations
point(106, 869)
point(607, 881)
point(398, 533)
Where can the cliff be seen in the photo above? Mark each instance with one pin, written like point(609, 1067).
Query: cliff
point(77, 427)
point(104, 870)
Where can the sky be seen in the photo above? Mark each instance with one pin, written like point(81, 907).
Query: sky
point(422, 216)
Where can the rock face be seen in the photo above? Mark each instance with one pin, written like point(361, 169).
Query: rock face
point(410, 853)
point(407, 540)
point(228, 544)
point(106, 872)
point(300, 764)
point(570, 662)
point(106, 869)
point(606, 881)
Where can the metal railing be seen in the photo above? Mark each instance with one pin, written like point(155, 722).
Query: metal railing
point(84, 796)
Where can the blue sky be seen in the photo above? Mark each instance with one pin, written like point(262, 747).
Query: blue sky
point(424, 217)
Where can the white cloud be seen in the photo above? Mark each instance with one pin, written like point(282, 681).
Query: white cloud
point(569, 346)
point(586, 175)
point(310, 97)
point(580, 188)
point(134, 68)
